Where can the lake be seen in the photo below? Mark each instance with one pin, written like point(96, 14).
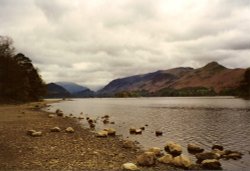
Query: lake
point(201, 120)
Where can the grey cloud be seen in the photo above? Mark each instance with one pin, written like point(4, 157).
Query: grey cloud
point(93, 42)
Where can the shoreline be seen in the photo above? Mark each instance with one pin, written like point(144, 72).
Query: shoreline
point(80, 150)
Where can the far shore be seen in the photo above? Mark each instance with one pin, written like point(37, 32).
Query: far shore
point(80, 150)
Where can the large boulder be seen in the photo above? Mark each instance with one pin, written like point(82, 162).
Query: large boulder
point(193, 148)
point(129, 166)
point(156, 150)
point(102, 134)
point(211, 164)
point(182, 161)
point(146, 159)
point(205, 156)
point(69, 130)
point(173, 148)
point(167, 159)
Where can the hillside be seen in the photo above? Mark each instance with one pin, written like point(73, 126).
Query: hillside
point(71, 87)
point(56, 91)
point(211, 79)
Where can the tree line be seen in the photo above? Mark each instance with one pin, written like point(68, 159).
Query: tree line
point(19, 79)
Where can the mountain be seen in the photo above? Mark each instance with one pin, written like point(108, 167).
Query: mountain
point(84, 93)
point(71, 87)
point(212, 79)
point(56, 91)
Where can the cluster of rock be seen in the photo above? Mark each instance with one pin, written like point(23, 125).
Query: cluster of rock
point(174, 156)
point(34, 133)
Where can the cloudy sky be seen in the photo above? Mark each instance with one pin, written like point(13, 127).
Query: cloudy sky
point(91, 42)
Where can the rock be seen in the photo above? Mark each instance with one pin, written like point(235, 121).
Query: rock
point(129, 166)
point(182, 161)
point(87, 118)
point(102, 134)
point(146, 124)
point(206, 155)
point(146, 159)
point(90, 121)
point(219, 147)
point(138, 131)
point(92, 125)
point(106, 116)
point(142, 128)
point(36, 134)
point(128, 144)
point(51, 116)
point(111, 131)
point(158, 133)
point(69, 130)
point(193, 148)
point(105, 121)
point(157, 151)
point(59, 112)
point(167, 159)
point(218, 152)
point(132, 130)
point(80, 117)
point(112, 122)
point(30, 132)
point(228, 154)
point(211, 164)
point(55, 129)
point(173, 148)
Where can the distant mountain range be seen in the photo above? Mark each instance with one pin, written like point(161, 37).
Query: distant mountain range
point(68, 89)
point(212, 79)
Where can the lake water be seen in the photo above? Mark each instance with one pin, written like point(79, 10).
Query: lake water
point(201, 120)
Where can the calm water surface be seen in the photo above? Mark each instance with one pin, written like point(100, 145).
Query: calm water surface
point(205, 121)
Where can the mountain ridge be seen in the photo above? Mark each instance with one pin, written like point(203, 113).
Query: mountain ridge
point(213, 78)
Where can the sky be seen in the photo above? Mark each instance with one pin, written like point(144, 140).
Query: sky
point(92, 42)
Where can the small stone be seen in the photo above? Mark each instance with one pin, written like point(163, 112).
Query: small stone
point(211, 164)
point(157, 151)
point(80, 117)
point(142, 128)
point(182, 161)
point(102, 134)
point(219, 147)
point(36, 134)
point(173, 148)
point(51, 116)
point(55, 129)
point(69, 130)
point(105, 121)
point(128, 144)
point(206, 155)
point(193, 148)
point(138, 131)
point(30, 132)
point(132, 130)
point(167, 159)
point(158, 133)
point(146, 159)
point(129, 166)
point(111, 131)
point(59, 112)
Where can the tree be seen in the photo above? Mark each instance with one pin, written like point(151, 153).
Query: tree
point(19, 80)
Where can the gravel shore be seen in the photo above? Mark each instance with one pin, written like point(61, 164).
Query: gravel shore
point(80, 150)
